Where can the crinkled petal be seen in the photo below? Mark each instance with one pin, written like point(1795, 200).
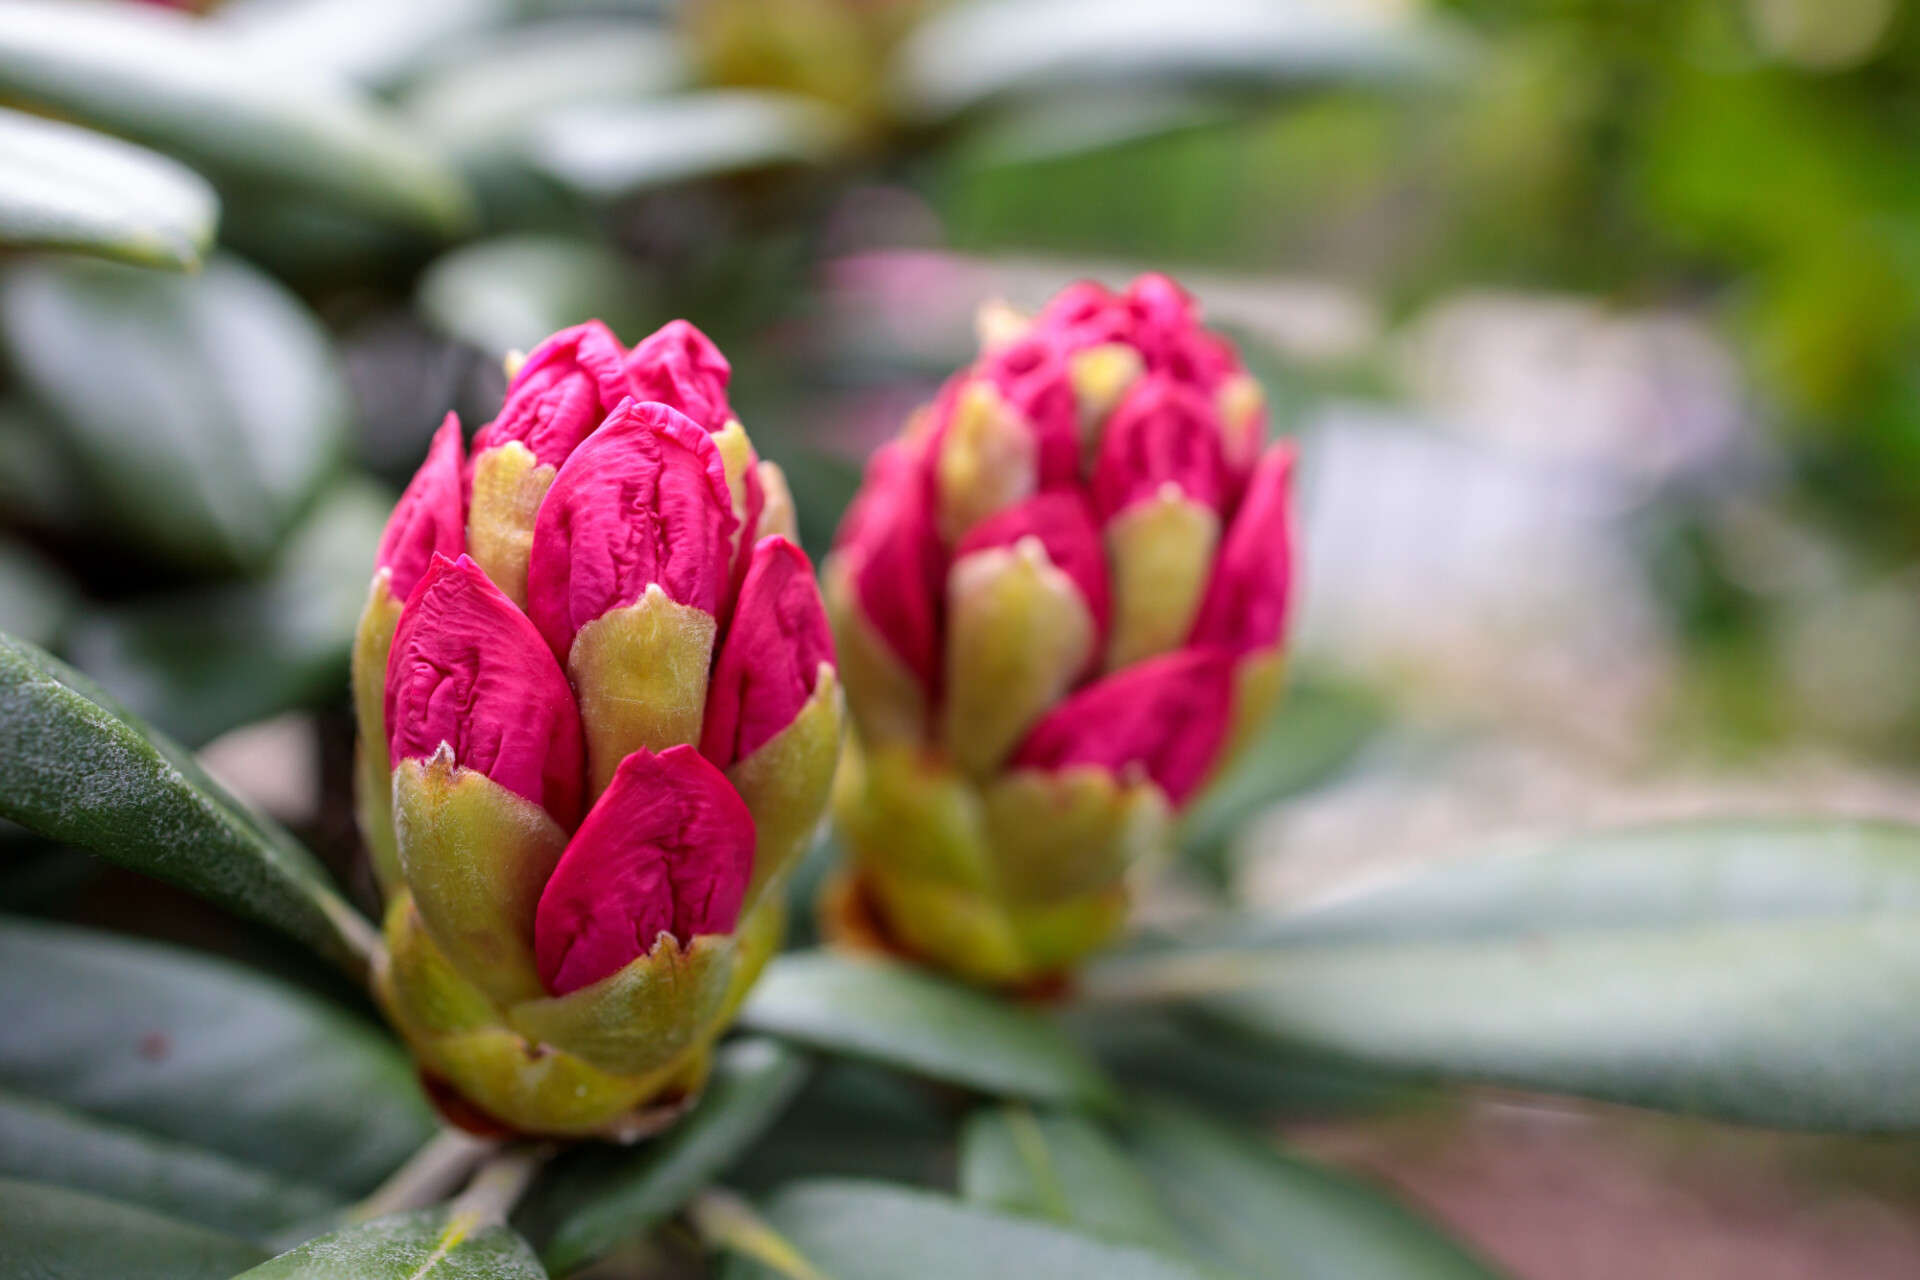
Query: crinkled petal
point(1064, 524)
point(468, 670)
point(770, 662)
point(890, 539)
point(1032, 375)
point(564, 390)
point(431, 516)
point(1246, 602)
point(643, 501)
point(667, 849)
point(681, 368)
point(1164, 432)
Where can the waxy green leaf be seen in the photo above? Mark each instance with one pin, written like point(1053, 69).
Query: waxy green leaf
point(50, 1233)
point(78, 768)
point(197, 1050)
point(443, 1243)
point(72, 188)
point(1065, 1168)
point(902, 1018)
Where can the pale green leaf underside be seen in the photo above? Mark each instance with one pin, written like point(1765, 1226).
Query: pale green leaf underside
point(427, 1244)
point(50, 1233)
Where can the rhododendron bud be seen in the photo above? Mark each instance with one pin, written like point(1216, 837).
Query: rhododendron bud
point(588, 760)
point(1060, 599)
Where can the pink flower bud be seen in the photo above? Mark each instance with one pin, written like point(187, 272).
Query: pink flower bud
point(1063, 522)
point(679, 366)
point(668, 849)
point(770, 661)
point(889, 538)
point(469, 671)
point(431, 518)
point(567, 386)
point(643, 501)
point(1032, 376)
point(1163, 433)
point(1167, 716)
point(1246, 602)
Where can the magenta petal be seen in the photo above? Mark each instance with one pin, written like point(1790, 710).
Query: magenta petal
point(667, 849)
point(681, 368)
point(644, 500)
point(1163, 432)
point(431, 516)
point(1065, 526)
point(771, 657)
point(468, 670)
point(564, 390)
point(889, 537)
point(1085, 315)
point(1032, 376)
point(1167, 716)
point(1246, 602)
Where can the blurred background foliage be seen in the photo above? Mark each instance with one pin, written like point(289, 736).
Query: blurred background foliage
point(1599, 321)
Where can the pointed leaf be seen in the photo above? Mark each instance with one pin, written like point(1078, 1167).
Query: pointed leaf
point(72, 188)
point(877, 1231)
point(1262, 1214)
point(47, 1143)
point(206, 408)
point(195, 1049)
point(49, 1233)
point(605, 1197)
point(77, 768)
point(1065, 1168)
point(902, 1018)
point(191, 89)
point(444, 1243)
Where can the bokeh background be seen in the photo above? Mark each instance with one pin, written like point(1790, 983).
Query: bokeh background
point(1598, 322)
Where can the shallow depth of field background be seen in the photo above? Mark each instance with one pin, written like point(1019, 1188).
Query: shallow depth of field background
point(1598, 322)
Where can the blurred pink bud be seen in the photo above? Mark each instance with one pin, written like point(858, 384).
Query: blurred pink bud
point(1032, 376)
point(431, 518)
point(890, 538)
point(1064, 524)
point(1246, 602)
point(567, 386)
point(643, 501)
point(1163, 433)
point(469, 671)
point(1167, 716)
point(681, 368)
point(770, 660)
point(667, 849)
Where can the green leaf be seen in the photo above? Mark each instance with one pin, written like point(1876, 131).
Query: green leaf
point(371, 42)
point(442, 1243)
point(49, 1233)
point(191, 89)
point(77, 768)
point(1065, 1168)
point(1750, 972)
point(1262, 1214)
point(72, 188)
point(610, 150)
point(901, 1018)
point(198, 663)
point(224, 409)
point(509, 293)
point(971, 52)
point(48, 1143)
point(854, 1120)
point(875, 1231)
point(198, 1050)
point(604, 1197)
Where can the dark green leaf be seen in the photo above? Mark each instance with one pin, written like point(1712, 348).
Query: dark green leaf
point(224, 410)
point(77, 768)
point(190, 89)
point(902, 1018)
point(609, 150)
point(72, 188)
point(49, 1233)
point(605, 1197)
point(981, 49)
point(511, 292)
point(875, 1231)
point(1263, 1214)
point(1063, 1167)
point(198, 663)
point(443, 1243)
point(854, 1120)
point(1753, 972)
point(194, 1049)
point(47, 1143)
